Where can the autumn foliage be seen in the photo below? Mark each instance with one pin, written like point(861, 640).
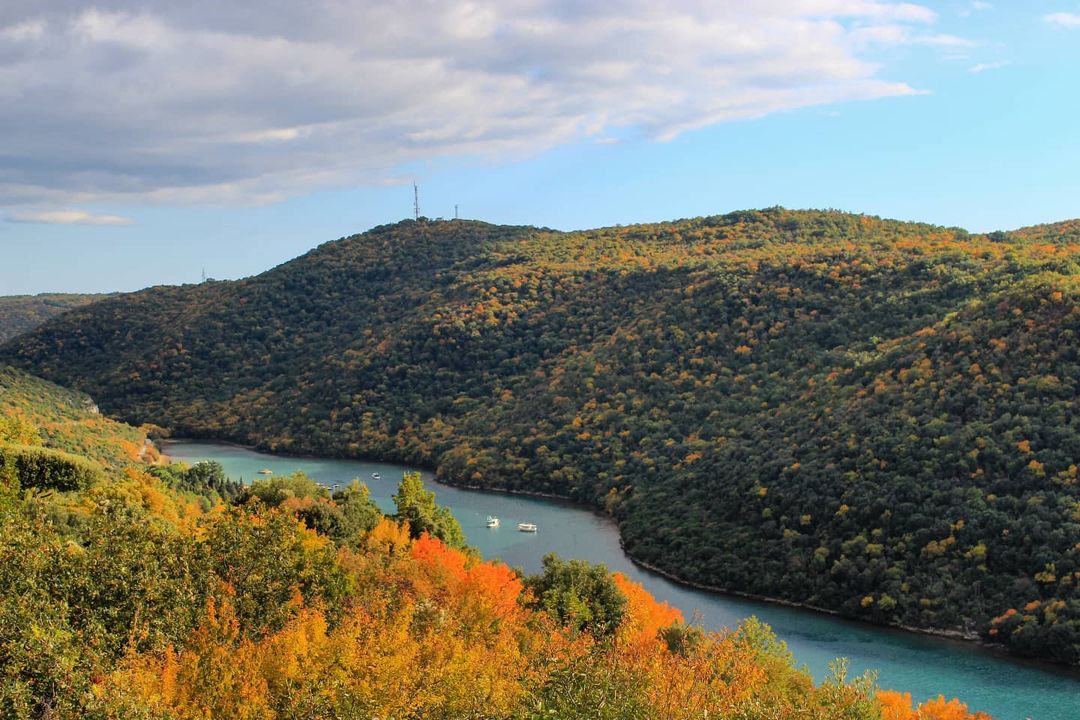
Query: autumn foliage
point(870, 416)
point(433, 632)
point(130, 599)
point(897, 706)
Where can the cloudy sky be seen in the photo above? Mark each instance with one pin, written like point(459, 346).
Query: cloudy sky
point(143, 141)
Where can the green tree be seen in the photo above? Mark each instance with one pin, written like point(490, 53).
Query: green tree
point(359, 512)
point(46, 668)
point(581, 596)
point(274, 491)
point(265, 561)
point(416, 505)
point(48, 469)
point(206, 479)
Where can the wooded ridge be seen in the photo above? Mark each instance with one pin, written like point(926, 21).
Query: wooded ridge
point(854, 413)
point(23, 313)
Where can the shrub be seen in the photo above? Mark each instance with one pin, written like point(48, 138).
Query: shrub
point(44, 468)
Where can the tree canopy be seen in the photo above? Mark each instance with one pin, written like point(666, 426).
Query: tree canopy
point(152, 605)
point(858, 414)
point(416, 506)
point(582, 597)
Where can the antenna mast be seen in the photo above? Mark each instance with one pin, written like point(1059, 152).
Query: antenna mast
point(455, 211)
point(416, 201)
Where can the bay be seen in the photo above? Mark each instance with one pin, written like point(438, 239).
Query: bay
point(926, 666)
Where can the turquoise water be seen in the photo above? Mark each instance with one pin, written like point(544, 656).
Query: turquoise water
point(925, 666)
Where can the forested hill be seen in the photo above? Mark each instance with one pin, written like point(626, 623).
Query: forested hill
point(168, 592)
point(857, 414)
point(23, 313)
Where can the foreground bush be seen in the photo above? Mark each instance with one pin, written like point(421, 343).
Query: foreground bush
point(150, 608)
point(48, 469)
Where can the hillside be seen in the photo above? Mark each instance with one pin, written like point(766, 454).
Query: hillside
point(23, 313)
point(69, 421)
point(131, 597)
point(853, 413)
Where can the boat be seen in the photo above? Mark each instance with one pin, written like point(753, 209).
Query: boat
point(266, 471)
point(376, 476)
point(492, 522)
point(526, 527)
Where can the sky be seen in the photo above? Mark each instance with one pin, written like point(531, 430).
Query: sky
point(143, 143)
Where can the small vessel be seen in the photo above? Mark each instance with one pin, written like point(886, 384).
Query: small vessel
point(376, 476)
point(492, 522)
point(266, 471)
point(526, 527)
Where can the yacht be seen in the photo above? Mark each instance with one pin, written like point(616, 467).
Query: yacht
point(266, 471)
point(526, 527)
point(376, 476)
point(492, 522)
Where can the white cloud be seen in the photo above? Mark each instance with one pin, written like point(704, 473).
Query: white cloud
point(974, 7)
point(67, 217)
point(211, 102)
point(1063, 19)
point(889, 35)
point(983, 67)
point(943, 40)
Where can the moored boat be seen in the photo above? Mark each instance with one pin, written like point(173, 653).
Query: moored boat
point(266, 471)
point(526, 527)
point(492, 522)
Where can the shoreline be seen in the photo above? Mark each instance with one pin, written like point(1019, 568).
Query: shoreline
point(968, 640)
point(956, 635)
point(971, 639)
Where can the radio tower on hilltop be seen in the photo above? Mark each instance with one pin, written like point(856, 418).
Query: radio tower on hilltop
point(416, 201)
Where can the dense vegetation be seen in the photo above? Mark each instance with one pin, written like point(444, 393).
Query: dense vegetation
point(23, 313)
point(858, 414)
point(292, 601)
point(48, 469)
point(37, 412)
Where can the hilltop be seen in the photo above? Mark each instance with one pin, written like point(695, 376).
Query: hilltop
point(859, 414)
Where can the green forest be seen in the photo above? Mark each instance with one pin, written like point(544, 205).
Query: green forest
point(23, 313)
point(858, 414)
point(158, 591)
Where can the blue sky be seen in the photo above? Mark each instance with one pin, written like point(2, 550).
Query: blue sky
point(143, 143)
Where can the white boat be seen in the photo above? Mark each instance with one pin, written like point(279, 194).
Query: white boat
point(526, 527)
point(266, 471)
point(376, 476)
point(492, 522)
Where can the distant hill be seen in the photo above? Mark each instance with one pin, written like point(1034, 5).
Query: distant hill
point(23, 313)
point(863, 415)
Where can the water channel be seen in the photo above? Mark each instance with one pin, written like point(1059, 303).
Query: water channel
point(925, 666)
